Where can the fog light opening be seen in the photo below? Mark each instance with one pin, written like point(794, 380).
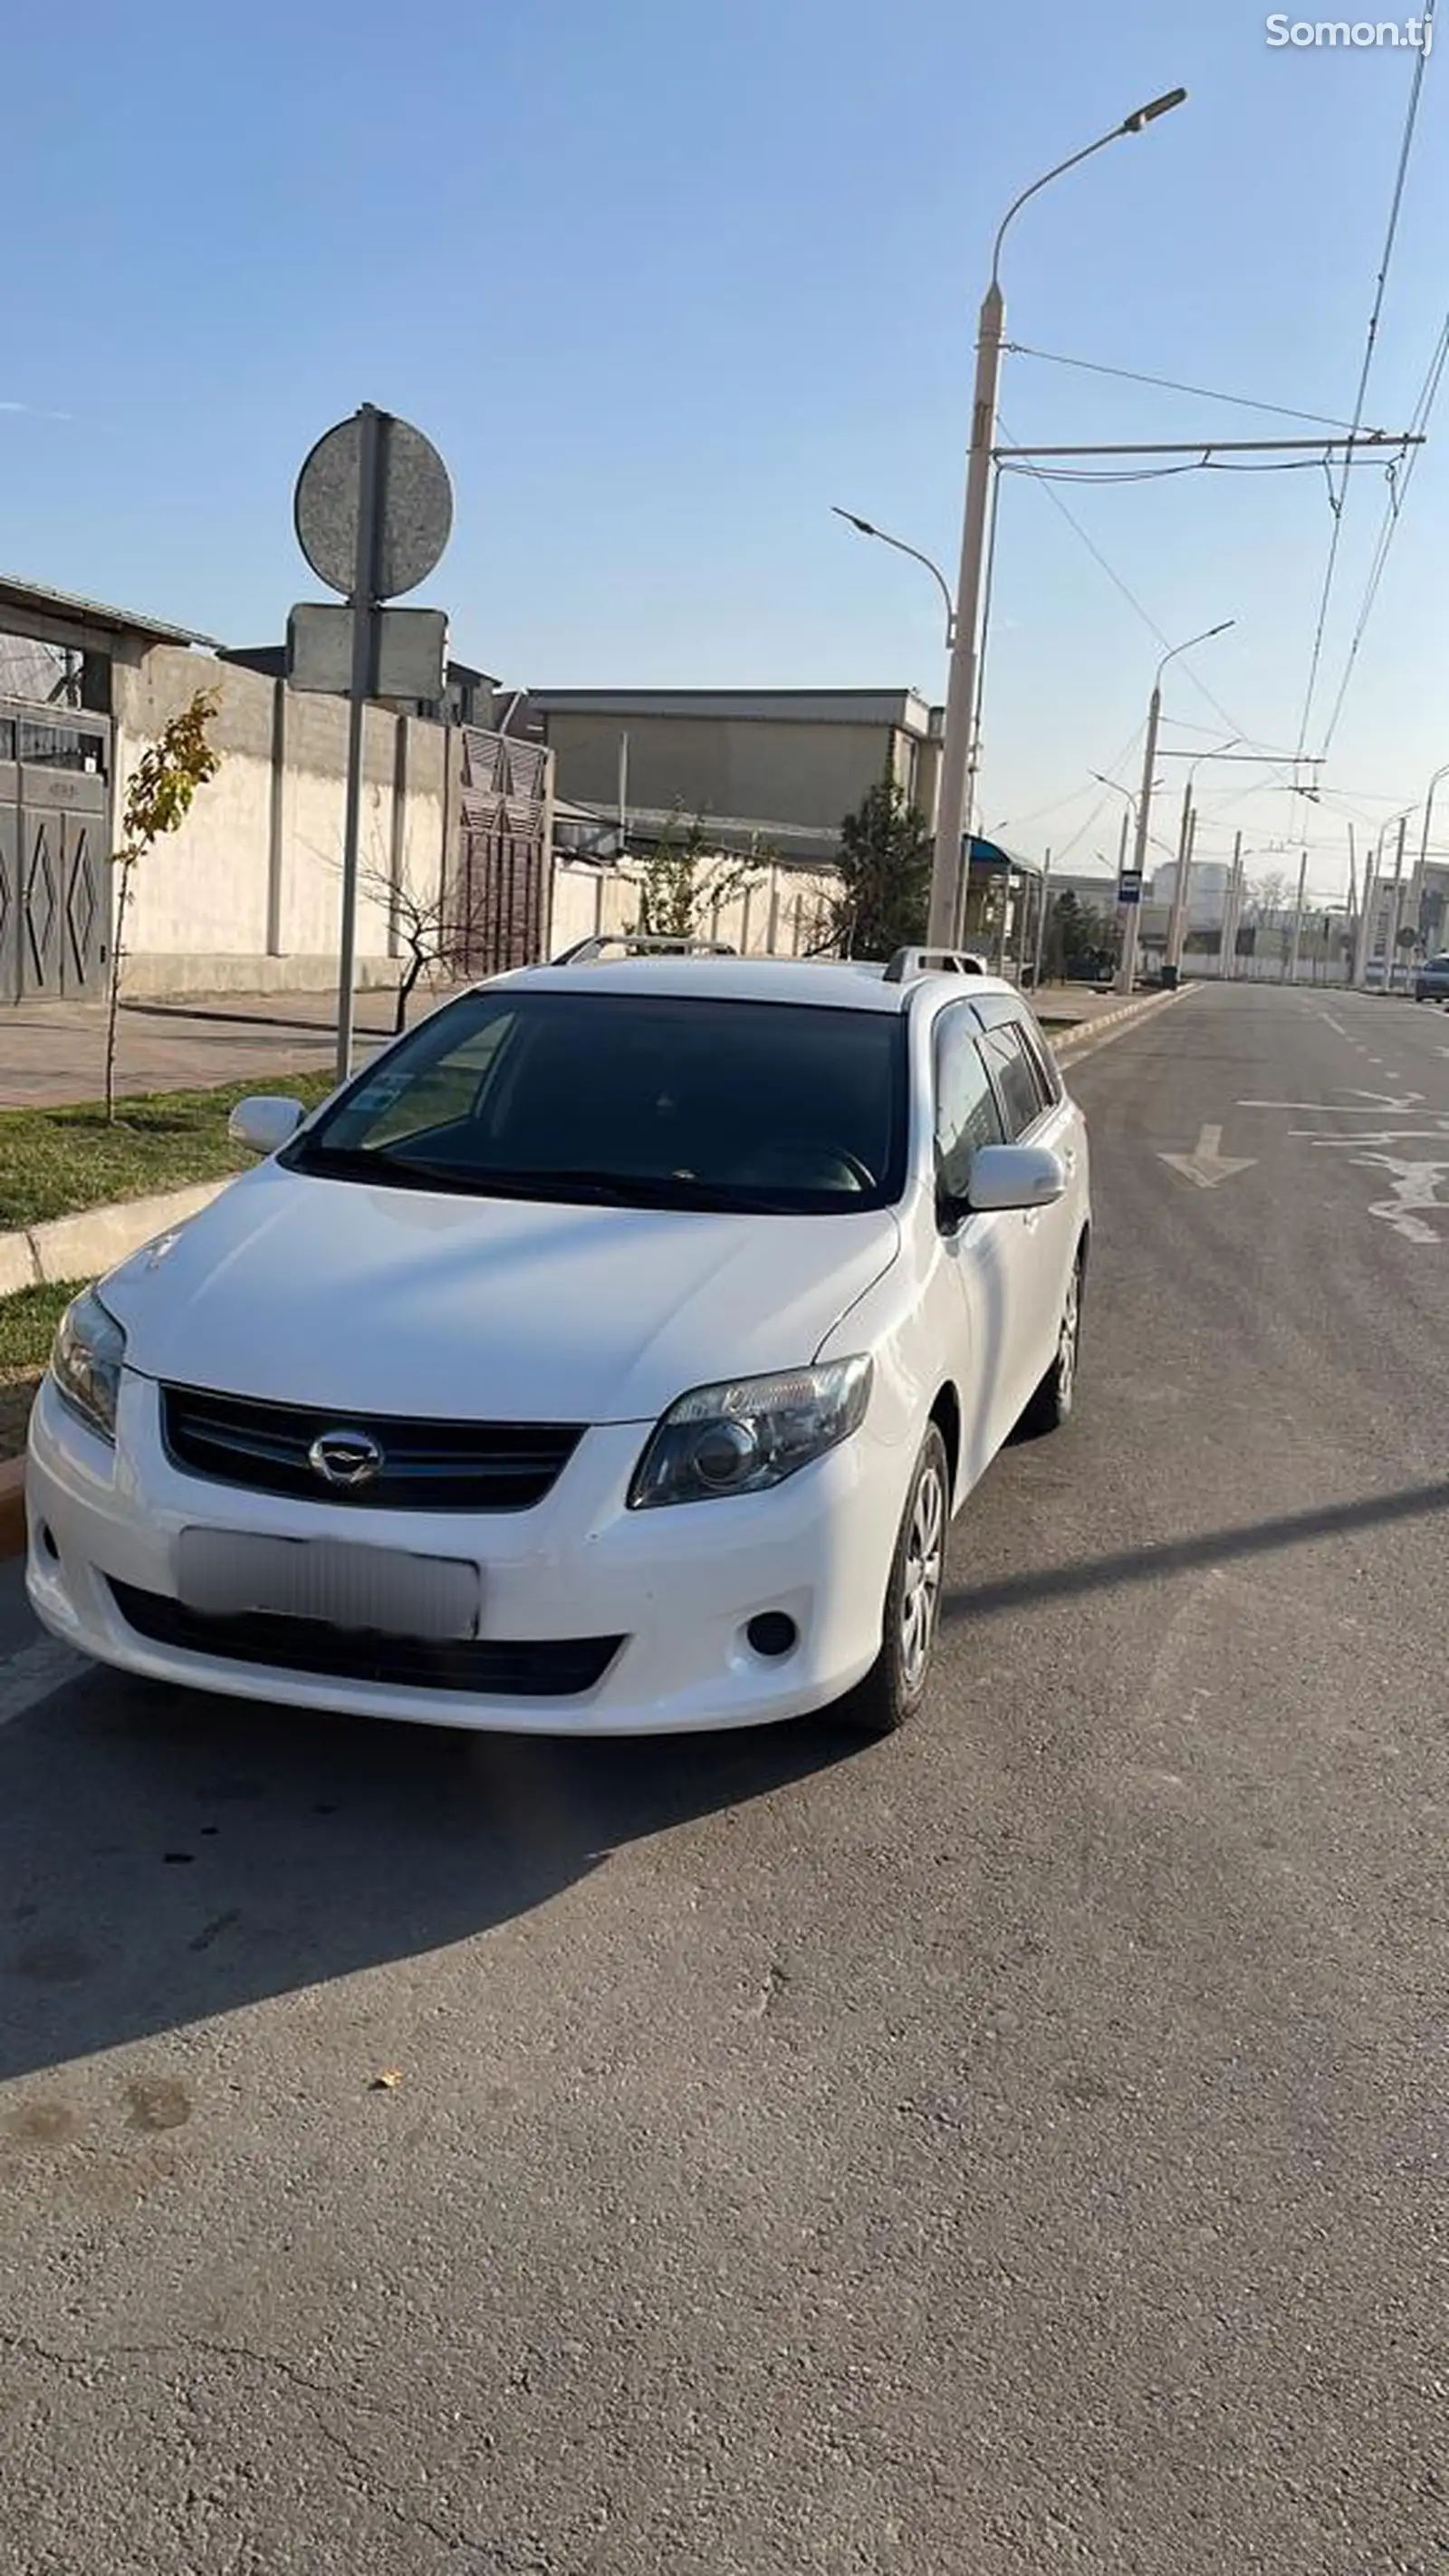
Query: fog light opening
point(47, 1541)
point(773, 1634)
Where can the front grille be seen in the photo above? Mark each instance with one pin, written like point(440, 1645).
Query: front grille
point(427, 1466)
point(547, 1668)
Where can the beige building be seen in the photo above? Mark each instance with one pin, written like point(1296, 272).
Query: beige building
point(785, 764)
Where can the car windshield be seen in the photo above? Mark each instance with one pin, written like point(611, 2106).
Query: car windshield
point(631, 1099)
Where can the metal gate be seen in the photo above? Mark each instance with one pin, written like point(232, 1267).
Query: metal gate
point(55, 808)
point(504, 865)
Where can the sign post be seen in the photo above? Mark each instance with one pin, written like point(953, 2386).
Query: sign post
point(374, 511)
point(363, 602)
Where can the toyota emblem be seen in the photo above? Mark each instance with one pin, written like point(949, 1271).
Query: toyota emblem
point(346, 1459)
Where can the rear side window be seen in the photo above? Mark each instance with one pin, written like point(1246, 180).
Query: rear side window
point(1020, 1084)
point(1041, 1056)
point(967, 1116)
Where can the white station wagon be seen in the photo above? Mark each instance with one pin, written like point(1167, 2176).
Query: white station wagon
point(608, 1358)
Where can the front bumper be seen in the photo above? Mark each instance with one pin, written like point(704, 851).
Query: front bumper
point(679, 1586)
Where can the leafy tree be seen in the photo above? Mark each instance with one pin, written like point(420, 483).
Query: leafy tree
point(159, 797)
point(884, 893)
point(684, 884)
point(1077, 935)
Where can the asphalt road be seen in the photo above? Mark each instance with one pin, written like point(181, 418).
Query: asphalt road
point(1018, 2146)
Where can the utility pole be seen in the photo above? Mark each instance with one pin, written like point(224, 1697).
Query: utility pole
point(1177, 918)
point(962, 690)
point(1124, 911)
point(1232, 912)
point(1365, 920)
point(1041, 921)
point(1127, 971)
point(1395, 908)
point(1290, 962)
point(1417, 890)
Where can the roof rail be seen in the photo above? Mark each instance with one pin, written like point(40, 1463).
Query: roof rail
point(639, 944)
point(933, 961)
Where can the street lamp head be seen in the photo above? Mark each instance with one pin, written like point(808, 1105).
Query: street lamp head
point(1156, 107)
point(862, 526)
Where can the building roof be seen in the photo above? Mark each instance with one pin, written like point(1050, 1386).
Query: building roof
point(903, 707)
point(794, 845)
point(35, 599)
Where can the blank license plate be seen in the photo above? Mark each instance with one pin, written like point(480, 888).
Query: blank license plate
point(226, 1574)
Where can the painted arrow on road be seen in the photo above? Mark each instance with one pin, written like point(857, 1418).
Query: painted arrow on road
point(1208, 1164)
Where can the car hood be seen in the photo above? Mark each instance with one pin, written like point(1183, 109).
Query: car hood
point(352, 1298)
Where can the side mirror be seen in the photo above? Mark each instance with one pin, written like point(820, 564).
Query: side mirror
point(1016, 1176)
point(266, 1124)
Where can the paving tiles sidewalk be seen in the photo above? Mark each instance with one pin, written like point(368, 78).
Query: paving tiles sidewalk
point(54, 1052)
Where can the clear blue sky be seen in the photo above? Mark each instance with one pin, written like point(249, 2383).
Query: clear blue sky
point(664, 278)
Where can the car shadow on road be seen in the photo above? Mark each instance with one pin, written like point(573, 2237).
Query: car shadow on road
point(165, 1858)
point(1037, 1584)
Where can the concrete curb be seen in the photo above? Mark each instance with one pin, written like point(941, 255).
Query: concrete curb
point(84, 1246)
point(1089, 1034)
point(80, 1247)
point(12, 1507)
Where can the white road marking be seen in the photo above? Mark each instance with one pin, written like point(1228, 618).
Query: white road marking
point(1373, 1136)
point(1336, 1025)
point(37, 1673)
point(1378, 1104)
point(1207, 1164)
point(1414, 1186)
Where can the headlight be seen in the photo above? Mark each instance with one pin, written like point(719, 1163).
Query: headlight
point(86, 1360)
point(742, 1438)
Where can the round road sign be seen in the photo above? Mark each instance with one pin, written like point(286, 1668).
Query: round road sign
point(416, 512)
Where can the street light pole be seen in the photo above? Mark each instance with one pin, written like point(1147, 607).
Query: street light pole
point(1177, 920)
point(1233, 912)
point(1041, 921)
point(1290, 961)
point(898, 545)
point(1127, 972)
point(961, 692)
point(1373, 880)
point(1396, 907)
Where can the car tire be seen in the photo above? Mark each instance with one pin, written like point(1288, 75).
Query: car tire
point(895, 1686)
point(1052, 1403)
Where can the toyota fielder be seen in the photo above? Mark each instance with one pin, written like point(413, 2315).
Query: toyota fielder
point(608, 1358)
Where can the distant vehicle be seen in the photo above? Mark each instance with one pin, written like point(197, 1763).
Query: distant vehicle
point(608, 1358)
point(1431, 982)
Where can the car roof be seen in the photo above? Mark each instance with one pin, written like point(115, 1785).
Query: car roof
point(821, 984)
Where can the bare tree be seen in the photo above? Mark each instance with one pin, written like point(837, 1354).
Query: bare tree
point(1269, 896)
point(432, 930)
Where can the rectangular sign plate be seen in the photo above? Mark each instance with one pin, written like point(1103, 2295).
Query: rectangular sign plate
point(412, 651)
point(228, 1573)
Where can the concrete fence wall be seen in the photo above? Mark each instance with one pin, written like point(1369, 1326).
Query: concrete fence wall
point(779, 913)
point(247, 895)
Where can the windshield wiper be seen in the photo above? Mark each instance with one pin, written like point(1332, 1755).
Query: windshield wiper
point(593, 1188)
point(581, 1188)
point(361, 1163)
